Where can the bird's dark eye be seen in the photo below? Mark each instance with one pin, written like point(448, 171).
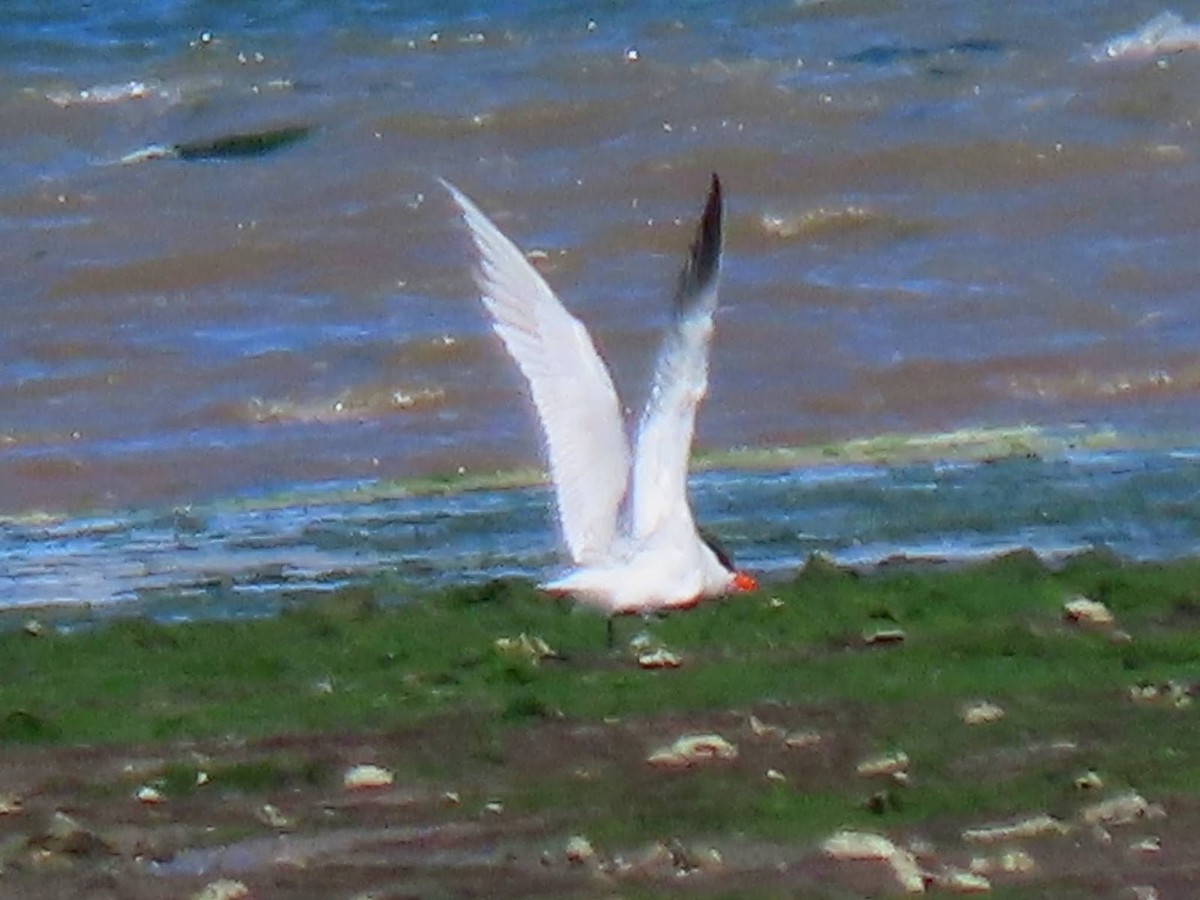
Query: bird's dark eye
point(718, 550)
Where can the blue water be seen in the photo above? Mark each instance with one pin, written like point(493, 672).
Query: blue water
point(943, 215)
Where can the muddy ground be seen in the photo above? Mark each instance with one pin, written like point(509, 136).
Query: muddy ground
point(274, 819)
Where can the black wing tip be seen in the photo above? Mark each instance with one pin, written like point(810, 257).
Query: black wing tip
point(704, 258)
point(713, 205)
point(706, 249)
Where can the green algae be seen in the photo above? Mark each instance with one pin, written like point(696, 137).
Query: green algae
point(964, 445)
point(899, 448)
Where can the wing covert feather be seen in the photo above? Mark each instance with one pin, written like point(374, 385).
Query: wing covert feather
point(571, 387)
point(664, 438)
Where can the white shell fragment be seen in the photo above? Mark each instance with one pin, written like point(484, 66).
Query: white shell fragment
point(1009, 862)
point(526, 646)
point(691, 750)
point(1022, 829)
point(1170, 693)
point(650, 653)
point(956, 881)
point(150, 795)
point(642, 641)
point(225, 889)
point(761, 729)
point(883, 636)
point(858, 845)
point(659, 658)
point(269, 814)
point(982, 712)
point(1147, 846)
point(1083, 611)
point(801, 740)
point(1016, 861)
point(863, 845)
point(366, 777)
point(1121, 810)
point(889, 764)
point(579, 851)
point(909, 874)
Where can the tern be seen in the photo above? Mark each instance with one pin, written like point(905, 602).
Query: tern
point(625, 517)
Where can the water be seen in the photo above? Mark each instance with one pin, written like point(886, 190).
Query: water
point(242, 559)
point(942, 215)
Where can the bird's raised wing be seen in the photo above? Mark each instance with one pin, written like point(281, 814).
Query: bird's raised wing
point(571, 387)
point(664, 438)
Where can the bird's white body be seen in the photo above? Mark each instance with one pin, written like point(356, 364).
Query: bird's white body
point(625, 517)
point(663, 571)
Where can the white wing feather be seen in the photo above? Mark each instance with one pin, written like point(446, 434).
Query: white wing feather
point(571, 387)
point(664, 438)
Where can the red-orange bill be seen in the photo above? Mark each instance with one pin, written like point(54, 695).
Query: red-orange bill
point(743, 581)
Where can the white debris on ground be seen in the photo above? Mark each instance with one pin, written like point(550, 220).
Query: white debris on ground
point(866, 846)
point(1021, 829)
point(982, 712)
point(366, 777)
point(579, 851)
point(957, 881)
point(225, 889)
point(1084, 611)
point(888, 764)
point(150, 795)
point(1123, 809)
point(526, 646)
point(651, 653)
point(691, 750)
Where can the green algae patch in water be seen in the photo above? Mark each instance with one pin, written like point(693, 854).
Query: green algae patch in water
point(899, 448)
point(965, 445)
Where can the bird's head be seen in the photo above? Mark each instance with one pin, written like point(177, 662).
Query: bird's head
point(738, 580)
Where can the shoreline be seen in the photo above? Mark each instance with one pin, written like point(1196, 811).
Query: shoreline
point(888, 448)
point(959, 496)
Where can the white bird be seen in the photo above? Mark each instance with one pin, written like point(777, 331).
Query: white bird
point(627, 524)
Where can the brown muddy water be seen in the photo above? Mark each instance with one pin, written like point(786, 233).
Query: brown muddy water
point(941, 216)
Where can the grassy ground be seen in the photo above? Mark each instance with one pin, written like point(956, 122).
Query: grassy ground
point(503, 754)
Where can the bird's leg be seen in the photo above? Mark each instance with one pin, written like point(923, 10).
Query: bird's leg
point(611, 632)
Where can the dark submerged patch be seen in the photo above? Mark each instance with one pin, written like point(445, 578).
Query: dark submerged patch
point(248, 144)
